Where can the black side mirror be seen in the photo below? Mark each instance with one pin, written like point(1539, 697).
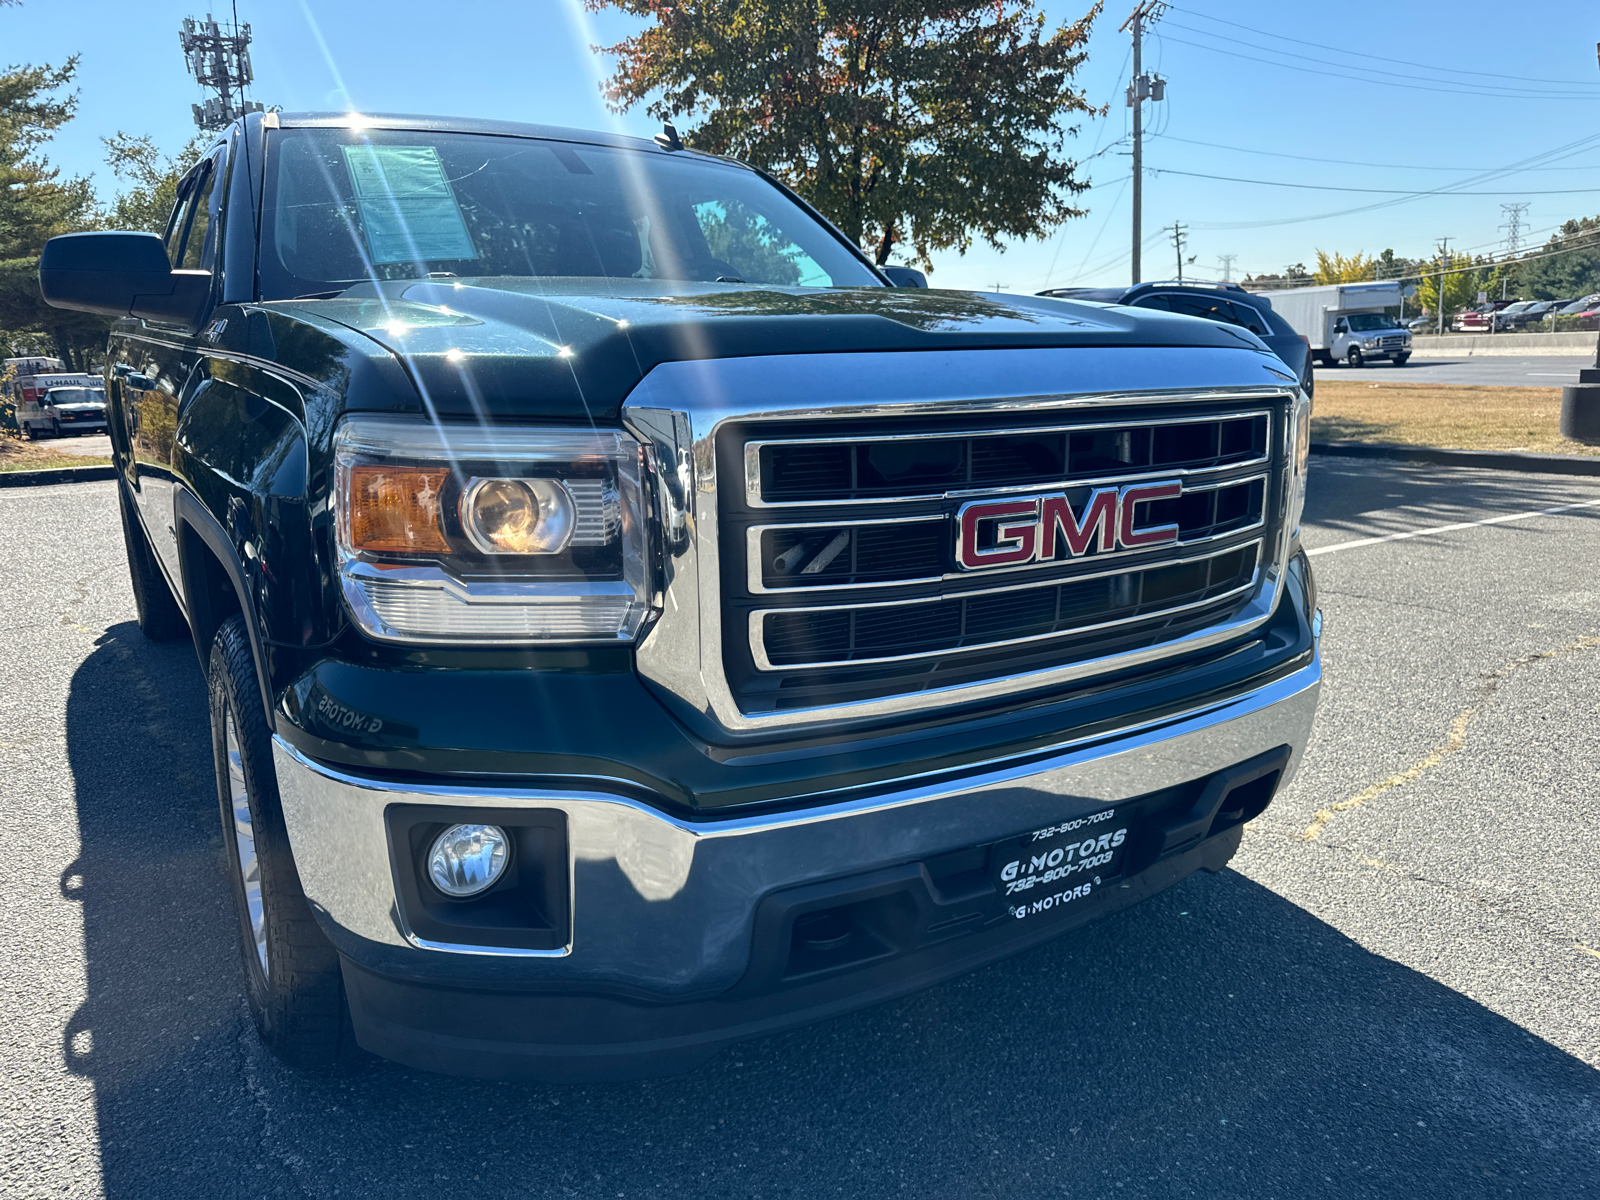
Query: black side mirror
point(905, 276)
point(121, 275)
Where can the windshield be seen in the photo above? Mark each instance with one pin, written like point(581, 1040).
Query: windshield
point(1367, 322)
point(345, 206)
point(76, 395)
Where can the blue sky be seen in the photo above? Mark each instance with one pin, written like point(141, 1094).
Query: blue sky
point(1507, 83)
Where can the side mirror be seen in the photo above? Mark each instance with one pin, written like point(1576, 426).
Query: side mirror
point(905, 276)
point(121, 275)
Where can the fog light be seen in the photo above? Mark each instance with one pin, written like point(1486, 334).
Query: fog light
point(467, 859)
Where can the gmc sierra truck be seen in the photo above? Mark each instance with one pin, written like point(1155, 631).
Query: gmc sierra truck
point(633, 624)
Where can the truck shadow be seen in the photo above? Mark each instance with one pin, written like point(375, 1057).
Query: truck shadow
point(1371, 497)
point(1217, 1040)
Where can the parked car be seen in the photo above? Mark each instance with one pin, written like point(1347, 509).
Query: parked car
point(632, 625)
point(1508, 316)
point(1226, 303)
point(1476, 319)
point(1583, 307)
point(1421, 324)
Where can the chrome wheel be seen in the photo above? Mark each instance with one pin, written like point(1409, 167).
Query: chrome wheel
point(244, 842)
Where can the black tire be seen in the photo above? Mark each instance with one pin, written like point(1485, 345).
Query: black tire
point(27, 430)
point(292, 979)
point(1355, 359)
point(1400, 359)
point(55, 428)
point(160, 618)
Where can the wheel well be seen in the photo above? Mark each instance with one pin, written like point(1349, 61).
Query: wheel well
point(208, 591)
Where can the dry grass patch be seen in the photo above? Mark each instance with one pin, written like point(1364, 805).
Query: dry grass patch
point(1457, 418)
point(19, 455)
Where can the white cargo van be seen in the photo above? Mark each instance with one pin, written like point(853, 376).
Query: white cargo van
point(1346, 322)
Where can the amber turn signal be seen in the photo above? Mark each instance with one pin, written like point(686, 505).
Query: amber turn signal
point(395, 510)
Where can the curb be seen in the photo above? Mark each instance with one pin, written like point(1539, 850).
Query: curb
point(56, 475)
point(1495, 460)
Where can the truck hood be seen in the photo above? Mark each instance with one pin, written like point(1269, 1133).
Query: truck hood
point(81, 406)
point(563, 349)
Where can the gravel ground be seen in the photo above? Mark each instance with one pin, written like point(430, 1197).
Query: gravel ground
point(1392, 992)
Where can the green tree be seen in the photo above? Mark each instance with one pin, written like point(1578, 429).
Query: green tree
point(1460, 280)
point(36, 203)
point(1569, 266)
point(147, 203)
point(917, 123)
point(1336, 268)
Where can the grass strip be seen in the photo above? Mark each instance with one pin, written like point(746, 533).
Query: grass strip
point(1451, 417)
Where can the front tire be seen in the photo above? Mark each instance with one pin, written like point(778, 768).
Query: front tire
point(160, 618)
point(292, 979)
point(55, 429)
point(1355, 358)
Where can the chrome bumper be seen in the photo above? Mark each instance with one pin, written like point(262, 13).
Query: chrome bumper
point(667, 904)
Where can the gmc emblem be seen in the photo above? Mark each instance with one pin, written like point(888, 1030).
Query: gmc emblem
point(1005, 533)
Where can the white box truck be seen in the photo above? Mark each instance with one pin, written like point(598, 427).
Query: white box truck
point(1345, 322)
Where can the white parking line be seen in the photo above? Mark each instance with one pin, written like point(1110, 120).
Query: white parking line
point(1551, 374)
point(1411, 533)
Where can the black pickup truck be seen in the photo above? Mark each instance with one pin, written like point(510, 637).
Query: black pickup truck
point(633, 624)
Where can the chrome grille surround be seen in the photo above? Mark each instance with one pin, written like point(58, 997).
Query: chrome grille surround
point(681, 407)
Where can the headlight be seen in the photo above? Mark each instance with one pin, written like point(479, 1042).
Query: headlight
point(470, 533)
point(1300, 434)
point(1368, 343)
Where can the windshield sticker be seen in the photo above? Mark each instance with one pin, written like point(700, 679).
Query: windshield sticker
point(408, 209)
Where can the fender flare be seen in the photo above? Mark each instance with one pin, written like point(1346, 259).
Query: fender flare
point(194, 516)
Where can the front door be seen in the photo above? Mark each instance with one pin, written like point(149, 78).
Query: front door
point(156, 364)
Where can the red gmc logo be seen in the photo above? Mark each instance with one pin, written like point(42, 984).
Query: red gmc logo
point(1005, 533)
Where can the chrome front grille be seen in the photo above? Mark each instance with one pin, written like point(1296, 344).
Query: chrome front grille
point(839, 565)
point(806, 507)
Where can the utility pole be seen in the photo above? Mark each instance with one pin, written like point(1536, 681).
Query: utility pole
point(1177, 245)
point(1444, 266)
point(1227, 266)
point(218, 56)
point(1141, 89)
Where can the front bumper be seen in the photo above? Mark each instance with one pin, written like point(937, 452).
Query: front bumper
point(679, 926)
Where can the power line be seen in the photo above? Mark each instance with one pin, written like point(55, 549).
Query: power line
point(1587, 240)
point(1564, 151)
point(1502, 94)
point(1329, 187)
point(1494, 88)
point(1347, 162)
point(1377, 57)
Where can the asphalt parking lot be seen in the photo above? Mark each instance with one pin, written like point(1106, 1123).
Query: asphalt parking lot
point(1550, 370)
point(1392, 992)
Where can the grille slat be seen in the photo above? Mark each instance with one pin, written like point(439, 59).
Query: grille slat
point(802, 472)
point(818, 637)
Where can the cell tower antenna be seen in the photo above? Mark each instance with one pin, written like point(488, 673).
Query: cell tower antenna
point(218, 56)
